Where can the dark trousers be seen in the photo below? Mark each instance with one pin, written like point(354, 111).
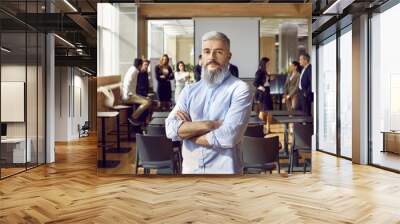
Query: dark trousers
point(305, 102)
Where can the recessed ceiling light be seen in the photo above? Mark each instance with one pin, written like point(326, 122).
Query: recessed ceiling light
point(70, 5)
point(64, 40)
point(5, 50)
point(84, 71)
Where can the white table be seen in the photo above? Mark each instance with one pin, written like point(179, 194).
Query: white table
point(16, 147)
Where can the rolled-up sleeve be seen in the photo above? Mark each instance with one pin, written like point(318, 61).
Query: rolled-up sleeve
point(230, 133)
point(172, 123)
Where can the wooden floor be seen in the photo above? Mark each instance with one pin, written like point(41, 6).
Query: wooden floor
point(386, 159)
point(70, 191)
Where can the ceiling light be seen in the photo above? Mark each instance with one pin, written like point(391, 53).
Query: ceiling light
point(84, 71)
point(70, 5)
point(65, 41)
point(338, 6)
point(5, 50)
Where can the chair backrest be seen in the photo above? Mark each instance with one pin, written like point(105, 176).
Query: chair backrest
point(153, 148)
point(156, 130)
point(302, 135)
point(109, 98)
point(86, 125)
point(254, 131)
point(260, 150)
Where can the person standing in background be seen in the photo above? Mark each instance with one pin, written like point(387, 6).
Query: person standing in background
point(164, 74)
point(181, 78)
point(305, 86)
point(197, 70)
point(143, 83)
point(234, 70)
point(291, 86)
point(263, 95)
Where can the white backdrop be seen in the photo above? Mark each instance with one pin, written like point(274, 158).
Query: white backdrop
point(12, 101)
point(244, 35)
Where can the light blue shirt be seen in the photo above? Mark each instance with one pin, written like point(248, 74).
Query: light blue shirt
point(229, 101)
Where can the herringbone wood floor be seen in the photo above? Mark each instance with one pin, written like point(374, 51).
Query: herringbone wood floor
point(70, 191)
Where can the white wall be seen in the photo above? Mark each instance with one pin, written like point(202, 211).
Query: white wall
point(71, 95)
point(116, 38)
point(156, 45)
point(244, 35)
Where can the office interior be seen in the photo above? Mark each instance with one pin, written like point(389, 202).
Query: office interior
point(51, 71)
point(280, 38)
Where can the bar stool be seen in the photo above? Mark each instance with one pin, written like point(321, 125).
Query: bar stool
point(109, 102)
point(106, 163)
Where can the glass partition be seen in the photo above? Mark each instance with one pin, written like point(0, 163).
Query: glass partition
point(327, 96)
point(346, 93)
point(22, 66)
point(14, 153)
point(385, 89)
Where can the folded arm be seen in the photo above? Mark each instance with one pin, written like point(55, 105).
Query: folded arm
point(230, 133)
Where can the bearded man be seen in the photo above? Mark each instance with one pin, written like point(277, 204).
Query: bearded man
point(211, 116)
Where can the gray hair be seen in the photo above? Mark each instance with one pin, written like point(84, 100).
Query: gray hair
point(214, 35)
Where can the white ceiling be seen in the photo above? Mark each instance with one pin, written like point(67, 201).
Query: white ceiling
point(268, 26)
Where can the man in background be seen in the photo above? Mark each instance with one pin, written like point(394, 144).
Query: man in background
point(305, 84)
point(143, 83)
point(234, 70)
point(197, 70)
point(129, 94)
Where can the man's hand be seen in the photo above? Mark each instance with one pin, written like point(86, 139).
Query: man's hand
point(202, 139)
point(183, 116)
point(216, 124)
point(190, 129)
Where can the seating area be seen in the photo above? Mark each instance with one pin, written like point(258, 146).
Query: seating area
point(284, 149)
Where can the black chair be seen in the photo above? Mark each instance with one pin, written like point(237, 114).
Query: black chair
point(156, 130)
point(302, 143)
point(160, 131)
point(84, 130)
point(260, 153)
point(154, 152)
point(254, 131)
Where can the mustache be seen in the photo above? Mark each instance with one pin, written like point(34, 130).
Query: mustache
point(213, 62)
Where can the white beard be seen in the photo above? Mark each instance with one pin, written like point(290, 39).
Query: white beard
point(213, 77)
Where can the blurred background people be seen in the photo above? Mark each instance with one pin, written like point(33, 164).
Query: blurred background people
point(263, 96)
point(182, 78)
point(291, 91)
point(163, 75)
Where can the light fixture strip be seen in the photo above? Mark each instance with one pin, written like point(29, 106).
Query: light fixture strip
point(5, 50)
point(64, 40)
point(331, 7)
point(70, 5)
point(86, 72)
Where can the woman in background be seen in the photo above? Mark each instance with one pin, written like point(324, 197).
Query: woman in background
point(292, 86)
point(181, 79)
point(263, 96)
point(164, 74)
